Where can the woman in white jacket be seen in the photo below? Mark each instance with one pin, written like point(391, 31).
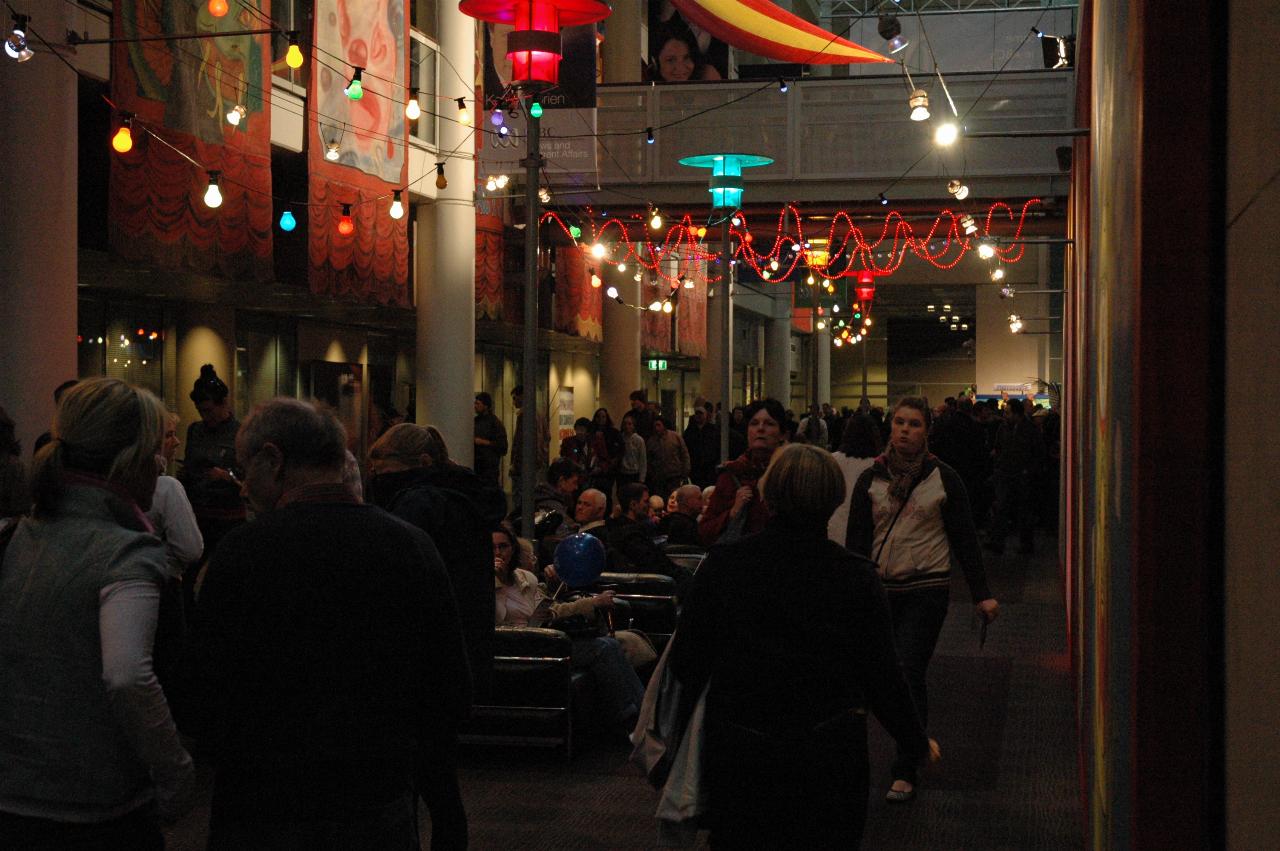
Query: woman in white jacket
point(859, 447)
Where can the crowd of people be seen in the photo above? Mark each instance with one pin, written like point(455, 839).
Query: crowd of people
point(318, 625)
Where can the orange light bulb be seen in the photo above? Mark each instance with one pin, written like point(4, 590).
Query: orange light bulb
point(218, 8)
point(346, 226)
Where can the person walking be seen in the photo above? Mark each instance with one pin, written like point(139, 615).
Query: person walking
point(785, 749)
point(910, 514)
point(89, 755)
point(490, 441)
point(669, 463)
point(327, 661)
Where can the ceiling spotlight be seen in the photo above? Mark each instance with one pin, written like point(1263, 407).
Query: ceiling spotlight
point(986, 250)
point(946, 307)
point(964, 326)
point(946, 133)
point(236, 113)
point(331, 152)
point(955, 318)
point(884, 202)
point(890, 29)
point(919, 103)
point(958, 189)
point(638, 277)
point(544, 195)
point(612, 292)
point(929, 308)
point(942, 319)
point(966, 222)
point(955, 327)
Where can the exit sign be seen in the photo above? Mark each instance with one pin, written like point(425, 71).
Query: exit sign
point(657, 365)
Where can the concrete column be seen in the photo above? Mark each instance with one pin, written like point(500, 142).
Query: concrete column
point(822, 339)
point(446, 273)
point(620, 354)
point(777, 361)
point(624, 44)
point(38, 105)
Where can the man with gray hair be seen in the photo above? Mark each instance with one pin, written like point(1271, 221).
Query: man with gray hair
point(327, 659)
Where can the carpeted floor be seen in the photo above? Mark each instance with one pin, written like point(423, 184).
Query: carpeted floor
point(1003, 716)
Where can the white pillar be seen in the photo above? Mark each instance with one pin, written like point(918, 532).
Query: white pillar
point(822, 339)
point(620, 354)
point(712, 366)
point(777, 361)
point(38, 275)
point(446, 271)
point(624, 45)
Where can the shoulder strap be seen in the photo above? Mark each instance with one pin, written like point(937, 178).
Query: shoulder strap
point(896, 515)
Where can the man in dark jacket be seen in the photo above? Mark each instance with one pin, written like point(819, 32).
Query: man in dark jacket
point(490, 441)
point(327, 660)
point(631, 546)
point(681, 525)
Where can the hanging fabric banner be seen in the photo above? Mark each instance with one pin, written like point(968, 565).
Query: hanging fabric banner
point(356, 150)
point(691, 313)
point(578, 304)
point(182, 91)
point(489, 257)
point(765, 29)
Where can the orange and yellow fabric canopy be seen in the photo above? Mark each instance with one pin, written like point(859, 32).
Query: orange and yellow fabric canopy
point(768, 30)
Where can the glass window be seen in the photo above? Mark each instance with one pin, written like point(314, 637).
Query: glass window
point(422, 76)
point(422, 15)
point(266, 357)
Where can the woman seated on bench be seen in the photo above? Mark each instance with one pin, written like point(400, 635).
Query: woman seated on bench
point(518, 598)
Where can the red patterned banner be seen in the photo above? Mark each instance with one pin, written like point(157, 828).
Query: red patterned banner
point(489, 248)
point(655, 331)
point(578, 304)
point(182, 92)
point(691, 314)
point(371, 263)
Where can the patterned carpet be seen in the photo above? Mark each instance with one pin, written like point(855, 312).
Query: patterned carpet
point(1003, 715)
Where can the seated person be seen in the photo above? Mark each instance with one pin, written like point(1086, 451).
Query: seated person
point(589, 514)
point(681, 524)
point(520, 601)
point(631, 546)
point(560, 489)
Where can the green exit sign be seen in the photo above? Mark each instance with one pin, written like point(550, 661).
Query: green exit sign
point(657, 364)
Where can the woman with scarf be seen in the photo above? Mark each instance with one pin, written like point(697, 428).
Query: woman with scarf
point(910, 514)
point(735, 508)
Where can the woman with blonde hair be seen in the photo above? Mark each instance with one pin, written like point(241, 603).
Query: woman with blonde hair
point(88, 748)
point(792, 633)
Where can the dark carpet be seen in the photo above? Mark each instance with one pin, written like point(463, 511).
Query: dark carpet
point(1003, 715)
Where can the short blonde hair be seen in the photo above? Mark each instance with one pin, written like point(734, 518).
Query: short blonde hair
point(803, 481)
point(406, 442)
point(105, 427)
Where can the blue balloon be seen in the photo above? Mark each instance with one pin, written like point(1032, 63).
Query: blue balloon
point(579, 560)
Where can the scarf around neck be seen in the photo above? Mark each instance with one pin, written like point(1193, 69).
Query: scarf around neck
point(903, 472)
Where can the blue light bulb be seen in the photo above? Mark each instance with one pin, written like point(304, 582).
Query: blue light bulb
point(287, 221)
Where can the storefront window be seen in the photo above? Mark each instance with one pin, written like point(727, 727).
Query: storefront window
point(422, 76)
point(266, 361)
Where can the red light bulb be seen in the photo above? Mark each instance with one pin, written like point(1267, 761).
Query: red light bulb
point(346, 226)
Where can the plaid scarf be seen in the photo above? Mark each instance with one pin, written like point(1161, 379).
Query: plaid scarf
point(903, 471)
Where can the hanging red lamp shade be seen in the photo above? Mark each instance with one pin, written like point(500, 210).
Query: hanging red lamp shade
point(533, 46)
point(866, 289)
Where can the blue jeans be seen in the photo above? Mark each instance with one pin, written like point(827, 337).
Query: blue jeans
point(620, 690)
point(917, 622)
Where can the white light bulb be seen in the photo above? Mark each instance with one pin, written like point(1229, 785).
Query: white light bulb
point(986, 251)
point(412, 110)
point(773, 264)
point(656, 221)
point(737, 222)
point(491, 185)
point(666, 307)
point(236, 113)
point(655, 306)
point(331, 152)
point(213, 195)
point(946, 133)
point(597, 250)
point(821, 325)
point(688, 283)
point(397, 209)
point(637, 277)
point(502, 180)
point(997, 274)
point(835, 308)
point(622, 267)
point(612, 292)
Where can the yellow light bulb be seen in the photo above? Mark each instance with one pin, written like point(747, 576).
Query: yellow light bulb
point(293, 57)
point(123, 140)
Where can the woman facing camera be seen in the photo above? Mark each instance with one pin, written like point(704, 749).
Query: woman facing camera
point(88, 749)
point(793, 634)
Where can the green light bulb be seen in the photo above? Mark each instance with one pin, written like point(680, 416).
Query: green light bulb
point(857, 314)
point(575, 231)
point(355, 91)
point(536, 110)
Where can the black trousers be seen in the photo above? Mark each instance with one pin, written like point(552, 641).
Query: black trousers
point(917, 622)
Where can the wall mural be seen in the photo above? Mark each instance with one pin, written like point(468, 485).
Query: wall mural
point(182, 91)
point(372, 262)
